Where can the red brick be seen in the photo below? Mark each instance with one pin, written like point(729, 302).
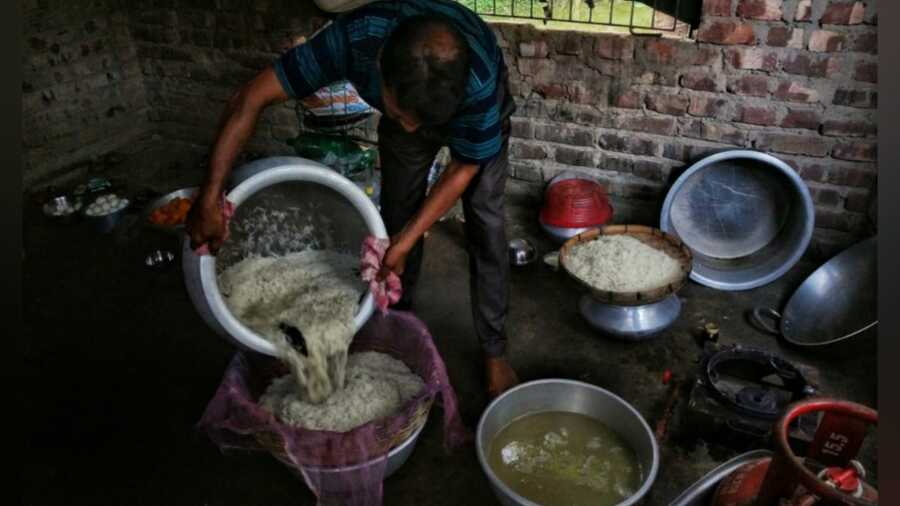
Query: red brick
point(838, 219)
point(858, 176)
point(753, 85)
point(856, 151)
point(651, 169)
point(751, 58)
point(552, 91)
point(843, 13)
point(803, 64)
point(778, 36)
point(614, 47)
point(802, 118)
point(848, 128)
point(699, 81)
point(707, 107)
point(792, 144)
point(726, 32)
point(716, 132)
point(628, 143)
point(763, 116)
point(649, 124)
point(825, 41)
point(804, 11)
point(542, 69)
point(824, 196)
point(534, 49)
point(675, 105)
point(718, 7)
point(768, 10)
point(857, 200)
point(865, 43)
point(527, 151)
point(796, 92)
point(866, 72)
point(575, 136)
point(628, 100)
point(521, 128)
point(575, 156)
point(813, 172)
point(863, 99)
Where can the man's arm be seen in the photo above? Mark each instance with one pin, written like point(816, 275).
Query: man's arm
point(450, 187)
point(204, 222)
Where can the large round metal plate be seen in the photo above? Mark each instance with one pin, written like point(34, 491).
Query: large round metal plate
point(730, 210)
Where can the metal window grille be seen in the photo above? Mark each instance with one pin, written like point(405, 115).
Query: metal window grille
point(656, 15)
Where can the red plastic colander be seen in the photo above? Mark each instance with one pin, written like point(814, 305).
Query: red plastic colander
point(576, 203)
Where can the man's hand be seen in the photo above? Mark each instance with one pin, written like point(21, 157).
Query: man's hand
point(205, 224)
point(394, 259)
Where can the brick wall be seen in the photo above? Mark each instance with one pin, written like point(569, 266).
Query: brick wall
point(83, 94)
point(796, 78)
point(195, 54)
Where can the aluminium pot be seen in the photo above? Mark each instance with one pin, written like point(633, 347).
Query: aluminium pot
point(269, 215)
point(574, 397)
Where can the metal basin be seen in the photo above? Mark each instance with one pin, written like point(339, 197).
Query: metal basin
point(291, 205)
point(702, 492)
point(335, 479)
point(746, 216)
point(574, 397)
point(630, 323)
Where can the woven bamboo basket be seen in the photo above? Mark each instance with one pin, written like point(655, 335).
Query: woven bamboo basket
point(653, 237)
point(384, 441)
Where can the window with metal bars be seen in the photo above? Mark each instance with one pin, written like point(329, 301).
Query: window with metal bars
point(638, 16)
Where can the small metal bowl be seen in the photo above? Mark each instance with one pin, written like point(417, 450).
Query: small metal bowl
point(105, 224)
point(62, 209)
point(521, 252)
point(159, 259)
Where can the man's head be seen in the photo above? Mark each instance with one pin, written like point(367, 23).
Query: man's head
point(424, 64)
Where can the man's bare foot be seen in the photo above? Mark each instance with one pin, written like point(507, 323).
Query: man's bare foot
point(500, 376)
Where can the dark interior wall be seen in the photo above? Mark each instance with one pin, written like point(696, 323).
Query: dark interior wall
point(195, 53)
point(83, 93)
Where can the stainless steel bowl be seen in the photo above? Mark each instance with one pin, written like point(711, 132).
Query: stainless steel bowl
point(562, 234)
point(574, 397)
point(55, 209)
point(746, 216)
point(521, 252)
point(630, 323)
point(161, 201)
point(335, 479)
point(105, 224)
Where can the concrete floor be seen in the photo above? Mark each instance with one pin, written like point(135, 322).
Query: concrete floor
point(121, 368)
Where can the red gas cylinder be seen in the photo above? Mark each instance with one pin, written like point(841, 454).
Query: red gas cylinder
point(575, 203)
point(827, 476)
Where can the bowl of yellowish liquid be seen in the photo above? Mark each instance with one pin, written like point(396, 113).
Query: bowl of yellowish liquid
point(562, 442)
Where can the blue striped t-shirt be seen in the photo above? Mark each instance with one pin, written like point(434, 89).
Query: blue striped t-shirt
point(348, 49)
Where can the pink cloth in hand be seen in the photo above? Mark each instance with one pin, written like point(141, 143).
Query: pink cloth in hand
point(386, 292)
point(227, 213)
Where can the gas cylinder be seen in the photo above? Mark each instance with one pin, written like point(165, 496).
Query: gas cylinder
point(829, 475)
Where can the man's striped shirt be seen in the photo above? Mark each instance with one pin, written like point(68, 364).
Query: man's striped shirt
point(348, 49)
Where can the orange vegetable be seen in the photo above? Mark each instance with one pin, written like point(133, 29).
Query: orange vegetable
point(174, 212)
